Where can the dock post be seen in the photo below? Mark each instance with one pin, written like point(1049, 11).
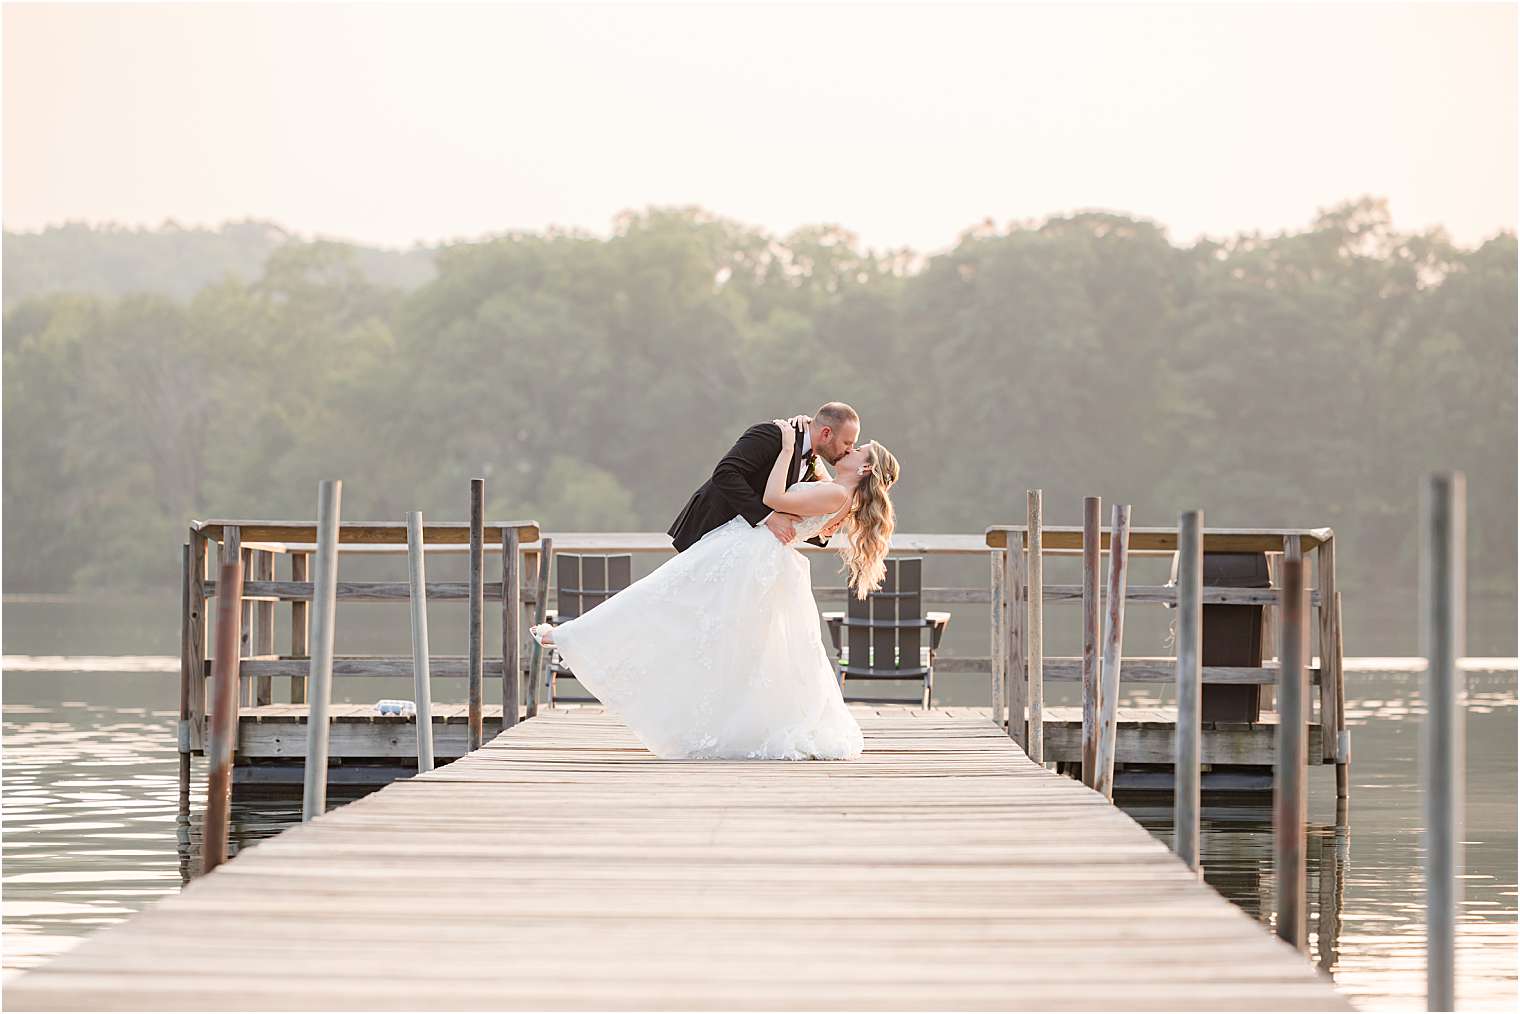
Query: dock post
point(540, 612)
point(1092, 597)
point(1185, 795)
point(1113, 642)
point(1015, 586)
point(511, 619)
point(477, 611)
point(1443, 633)
point(1289, 802)
point(1036, 604)
point(1113, 651)
point(194, 650)
point(999, 558)
point(261, 568)
point(231, 548)
point(1342, 733)
point(421, 675)
point(1329, 671)
point(186, 678)
point(300, 624)
point(224, 697)
point(324, 613)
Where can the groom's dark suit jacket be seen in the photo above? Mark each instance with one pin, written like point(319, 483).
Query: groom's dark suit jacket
point(737, 486)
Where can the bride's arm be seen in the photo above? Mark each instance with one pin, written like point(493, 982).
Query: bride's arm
point(823, 498)
point(775, 483)
point(834, 522)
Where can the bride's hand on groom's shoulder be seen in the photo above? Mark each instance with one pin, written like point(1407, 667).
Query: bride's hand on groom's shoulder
point(788, 435)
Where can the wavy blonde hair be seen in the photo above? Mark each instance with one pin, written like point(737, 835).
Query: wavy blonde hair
point(870, 523)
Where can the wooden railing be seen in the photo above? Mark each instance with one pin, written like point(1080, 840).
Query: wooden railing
point(1017, 677)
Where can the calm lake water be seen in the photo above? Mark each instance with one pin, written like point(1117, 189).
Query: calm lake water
point(92, 832)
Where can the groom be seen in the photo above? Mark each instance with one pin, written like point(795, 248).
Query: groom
point(738, 482)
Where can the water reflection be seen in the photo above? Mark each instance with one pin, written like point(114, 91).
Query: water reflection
point(93, 824)
point(93, 831)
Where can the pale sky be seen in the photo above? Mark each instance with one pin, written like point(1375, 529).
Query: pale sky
point(392, 124)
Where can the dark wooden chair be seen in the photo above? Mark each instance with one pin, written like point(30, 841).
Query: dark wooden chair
point(584, 582)
point(880, 639)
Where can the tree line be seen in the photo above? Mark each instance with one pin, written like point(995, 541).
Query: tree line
point(1303, 378)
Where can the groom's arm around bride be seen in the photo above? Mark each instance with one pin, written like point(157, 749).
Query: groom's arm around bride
point(736, 488)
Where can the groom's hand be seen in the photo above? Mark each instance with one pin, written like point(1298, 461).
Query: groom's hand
point(782, 526)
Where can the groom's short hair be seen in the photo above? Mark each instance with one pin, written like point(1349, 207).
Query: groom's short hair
point(835, 414)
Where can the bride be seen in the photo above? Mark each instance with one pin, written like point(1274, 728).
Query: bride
point(717, 653)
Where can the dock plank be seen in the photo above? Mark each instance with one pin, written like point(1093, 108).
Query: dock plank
point(563, 867)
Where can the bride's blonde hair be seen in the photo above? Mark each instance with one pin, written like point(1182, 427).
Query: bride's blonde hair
point(870, 523)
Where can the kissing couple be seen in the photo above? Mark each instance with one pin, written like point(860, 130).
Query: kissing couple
point(718, 653)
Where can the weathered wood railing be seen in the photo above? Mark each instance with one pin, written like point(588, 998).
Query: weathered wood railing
point(1020, 704)
point(257, 543)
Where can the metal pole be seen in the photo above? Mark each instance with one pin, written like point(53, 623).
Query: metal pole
point(224, 696)
point(1185, 795)
point(421, 677)
point(324, 614)
point(1443, 633)
point(1289, 784)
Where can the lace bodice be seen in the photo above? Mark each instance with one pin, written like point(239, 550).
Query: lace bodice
point(812, 524)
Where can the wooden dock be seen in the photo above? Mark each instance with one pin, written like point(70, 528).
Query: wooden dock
point(562, 866)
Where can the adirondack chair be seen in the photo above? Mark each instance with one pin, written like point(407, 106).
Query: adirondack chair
point(584, 582)
point(879, 639)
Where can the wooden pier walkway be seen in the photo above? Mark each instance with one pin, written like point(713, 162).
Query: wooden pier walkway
point(561, 866)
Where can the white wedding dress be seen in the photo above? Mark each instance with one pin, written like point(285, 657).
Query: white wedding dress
point(717, 653)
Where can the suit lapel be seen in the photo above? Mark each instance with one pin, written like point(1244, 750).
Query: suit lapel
point(796, 470)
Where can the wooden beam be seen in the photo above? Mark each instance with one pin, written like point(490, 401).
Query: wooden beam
point(262, 613)
point(194, 649)
point(224, 723)
point(511, 620)
point(320, 665)
point(300, 624)
point(476, 590)
point(1324, 563)
point(1290, 776)
point(1185, 791)
point(1113, 638)
point(1035, 628)
point(1215, 540)
point(999, 616)
point(422, 687)
point(1091, 590)
point(364, 532)
point(1016, 683)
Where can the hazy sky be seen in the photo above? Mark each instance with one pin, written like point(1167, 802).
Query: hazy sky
point(397, 123)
